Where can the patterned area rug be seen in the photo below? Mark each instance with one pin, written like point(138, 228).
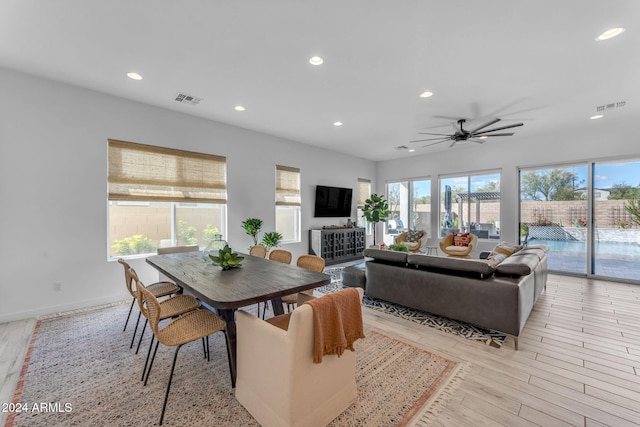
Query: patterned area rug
point(487, 336)
point(80, 371)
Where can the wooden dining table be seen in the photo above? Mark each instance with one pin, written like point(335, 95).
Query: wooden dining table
point(257, 280)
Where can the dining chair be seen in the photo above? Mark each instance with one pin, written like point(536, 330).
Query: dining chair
point(259, 251)
point(171, 307)
point(178, 249)
point(310, 262)
point(158, 289)
point(278, 255)
point(192, 326)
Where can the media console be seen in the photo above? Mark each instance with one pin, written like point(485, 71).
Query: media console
point(337, 245)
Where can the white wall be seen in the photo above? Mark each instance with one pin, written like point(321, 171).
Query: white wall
point(581, 141)
point(53, 175)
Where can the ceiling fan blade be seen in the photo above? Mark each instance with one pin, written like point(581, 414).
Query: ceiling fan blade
point(427, 133)
point(431, 139)
point(500, 128)
point(485, 125)
point(479, 141)
point(453, 143)
point(434, 143)
point(494, 134)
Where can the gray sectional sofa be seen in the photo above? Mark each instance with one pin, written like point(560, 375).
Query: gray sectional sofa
point(475, 291)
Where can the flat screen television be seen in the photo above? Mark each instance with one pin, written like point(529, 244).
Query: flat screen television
point(332, 202)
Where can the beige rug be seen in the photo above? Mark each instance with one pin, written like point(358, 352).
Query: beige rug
point(80, 371)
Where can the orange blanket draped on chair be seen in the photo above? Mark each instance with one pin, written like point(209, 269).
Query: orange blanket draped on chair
point(337, 323)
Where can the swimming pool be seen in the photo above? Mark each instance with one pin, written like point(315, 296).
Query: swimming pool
point(615, 250)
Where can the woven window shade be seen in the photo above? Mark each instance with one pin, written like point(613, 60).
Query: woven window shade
point(147, 173)
point(364, 191)
point(287, 186)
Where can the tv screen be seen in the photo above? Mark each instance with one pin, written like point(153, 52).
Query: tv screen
point(333, 202)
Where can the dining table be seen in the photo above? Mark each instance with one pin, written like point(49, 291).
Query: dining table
point(256, 280)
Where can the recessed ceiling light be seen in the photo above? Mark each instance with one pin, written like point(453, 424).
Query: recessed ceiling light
point(316, 60)
point(596, 117)
point(411, 150)
point(337, 123)
point(613, 32)
point(238, 108)
point(426, 94)
point(134, 76)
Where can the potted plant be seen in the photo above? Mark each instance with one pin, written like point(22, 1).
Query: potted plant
point(271, 239)
point(227, 259)
point(400, 247)
point(375, 210)
point(252, 227)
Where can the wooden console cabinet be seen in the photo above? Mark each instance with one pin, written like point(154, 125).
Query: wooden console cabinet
point(337, 245)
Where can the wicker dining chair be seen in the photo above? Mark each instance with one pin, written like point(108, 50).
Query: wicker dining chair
point(192, 326)
point(280, 255)
point(310, 262)
point(259, 251)
point(171, 307)
point(158, 289)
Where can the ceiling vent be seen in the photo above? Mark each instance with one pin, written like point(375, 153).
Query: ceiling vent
point(611, 106)
point(183, 98)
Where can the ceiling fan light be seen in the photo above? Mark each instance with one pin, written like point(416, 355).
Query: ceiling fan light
point(611, 33)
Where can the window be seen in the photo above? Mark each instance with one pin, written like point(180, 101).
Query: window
point(410, 205)
point(163, 197)
point(288, 222)
point(471, 203)
point(364, 192)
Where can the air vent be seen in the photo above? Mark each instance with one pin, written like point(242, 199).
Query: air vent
point(611, 106)
point(187, 99)
point(401, 147)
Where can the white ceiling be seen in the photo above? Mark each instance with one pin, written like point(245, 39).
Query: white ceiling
point(534, 61)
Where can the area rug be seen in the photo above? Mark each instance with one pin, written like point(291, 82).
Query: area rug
point(80, 371)
point(466, 330)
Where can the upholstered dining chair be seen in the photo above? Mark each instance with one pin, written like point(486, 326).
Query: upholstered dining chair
point(170, 307)
point(192, 326)
point(178, 249)
point(448, 246)
point(310, 262)
point(259, 251)
point(277, 379)
point(413, 239)
point(158, 289)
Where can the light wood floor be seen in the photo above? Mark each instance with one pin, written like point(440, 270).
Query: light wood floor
point(578, 361)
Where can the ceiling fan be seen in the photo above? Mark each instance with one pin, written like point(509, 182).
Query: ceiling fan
point(462, 135)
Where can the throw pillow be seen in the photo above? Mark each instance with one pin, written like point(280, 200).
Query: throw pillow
point(506, 249)
point(413, 236)
point(495, 258)
point(460, 239)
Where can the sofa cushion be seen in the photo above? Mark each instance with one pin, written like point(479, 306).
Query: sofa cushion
point(461, 239)
point(518, 265)
point(386, 255)
point(477, 268)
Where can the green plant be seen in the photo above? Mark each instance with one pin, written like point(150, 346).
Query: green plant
point(136, 244)
point(271, 239)
point(186, 234)
point(227, 259)
point(376, 209)
point(632, 206)
point(400, 247)
point(252, 227)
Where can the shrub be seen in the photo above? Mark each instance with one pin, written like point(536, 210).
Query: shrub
point(136, 244)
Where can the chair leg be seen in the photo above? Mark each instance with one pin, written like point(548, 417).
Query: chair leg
point(135, 331)
point(144, 328)
point(146, 362)
point(155, 350)
point(129, 315)
point(166, 395)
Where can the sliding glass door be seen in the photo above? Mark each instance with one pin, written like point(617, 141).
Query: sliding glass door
point(410, 205)
point(587, 214)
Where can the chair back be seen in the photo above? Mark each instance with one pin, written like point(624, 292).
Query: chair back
point(259, 251)
point(280, 255)
point(127, 278)
point(311, 262)
point(148, 303)
point(178, 249)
